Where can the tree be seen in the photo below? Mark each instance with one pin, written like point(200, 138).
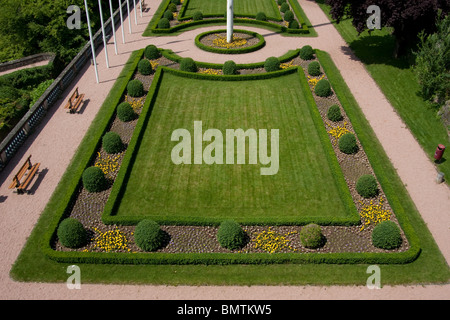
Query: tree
point(433, 61)
point(407, 17)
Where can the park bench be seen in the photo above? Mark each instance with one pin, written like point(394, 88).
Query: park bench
point(74, 102)
point(24, 176)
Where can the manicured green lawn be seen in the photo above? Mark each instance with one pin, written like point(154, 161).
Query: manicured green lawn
point(241, 8)
point(306, 185)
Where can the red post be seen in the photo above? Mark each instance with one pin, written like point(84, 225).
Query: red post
point(439, 152)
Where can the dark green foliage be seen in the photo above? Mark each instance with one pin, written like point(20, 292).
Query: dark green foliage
point(272, 64)
point(280, 2)
point(188, 64)
point(112, 143)
point(229, 67)
point(198, 15)
point(367, 186)
point(151, 52)
point(163, 23)
point(94, 179)
point(307, 52)
point(314, 69)
point(288, 16)
point(176, 2)
point(71, 233)
point(135, 88)
point(311, 236)
point(148, 235)
point(230, 235)
point(294, 24)
point(168, 15)
point(172, 7)
point(284, 7)
point(347, 143)
point(323, 88)
point(145, 67)
point(386, 235)
point(261, 16)
point(334, 113)
point(125, 112)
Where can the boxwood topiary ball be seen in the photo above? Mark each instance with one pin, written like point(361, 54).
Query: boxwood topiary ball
point(135, 88)
point(314, 69)
point(172, 7)
point(94, 179)
point(280, 2)
point(323, 88)
point(148, 235)
point(272, 64)
point(294, 24)
point(71, 233)
point(261, 16)
point(284, 7)
point(125, 112)
point(151, 52)
point(168, 15)
point(112, 143)
point(177, 2)
point(386, 235)
point(188, 64)
point(163, 23)
point(367, 186)
point(347, 143)
point(334, 113)
point(307, 52)
point(230, 235)
point(288, 16)
point(229, 67)
point(311, 236)
point(197, 16)
point(145, 67)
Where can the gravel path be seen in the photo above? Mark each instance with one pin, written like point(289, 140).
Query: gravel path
point(57, 138)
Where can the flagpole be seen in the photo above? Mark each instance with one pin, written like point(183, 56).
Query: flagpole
point(229, 21)
point(121, 21)
point(103, 32)
point(135, 14)
point(113, 25)
point(129, 17)
point(92, 42)
point(140, 6)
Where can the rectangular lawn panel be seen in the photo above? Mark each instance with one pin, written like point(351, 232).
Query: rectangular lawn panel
point(307, 187)
point(241, 8)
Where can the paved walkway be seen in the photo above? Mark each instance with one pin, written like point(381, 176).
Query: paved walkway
point(57, 138)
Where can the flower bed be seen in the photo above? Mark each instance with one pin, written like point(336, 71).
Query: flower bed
point(243, 42)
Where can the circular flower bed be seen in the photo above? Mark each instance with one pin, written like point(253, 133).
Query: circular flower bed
point(243, 41)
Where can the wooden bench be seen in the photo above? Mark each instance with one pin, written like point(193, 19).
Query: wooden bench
point(74, 102)
point(27, 172)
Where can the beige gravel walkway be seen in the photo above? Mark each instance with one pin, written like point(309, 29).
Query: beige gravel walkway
point(56, 140)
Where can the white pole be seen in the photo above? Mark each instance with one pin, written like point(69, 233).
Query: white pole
point(140, 5)
point(92, 42)
point(135, 14)
point(113, 26)
point(121, 21)
point(129, 17)
point(103, 32)
point(229, 21)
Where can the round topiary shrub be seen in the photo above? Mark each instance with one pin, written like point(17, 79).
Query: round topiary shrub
point(229, 67)
point(288, 16)
point(311, 236)
point(172, 7)
point(334, 113)
point(125, 112)
point(347, 143)
point(323, 88)
point(230, 235)
point(280, 2)
point(151, 52)
point(168, 15)
point(71, 233)
point(112, 143)
point(261, 16)
point(367, 186)
point(314, 69)
point(176, 2)
point(163, 23)
point(94, 179)
point(188, 64)
point(307, 52)
point(284, 7)
point(135, 88)
point(272, 64)
point(294, 24)
point(148, 235)
point(386, 235)
point(197, 16)
point(145, 67)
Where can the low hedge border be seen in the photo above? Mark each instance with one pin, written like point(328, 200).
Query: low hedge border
point(261, 43)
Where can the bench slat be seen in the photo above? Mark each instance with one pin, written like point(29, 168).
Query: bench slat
point(30, 176)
